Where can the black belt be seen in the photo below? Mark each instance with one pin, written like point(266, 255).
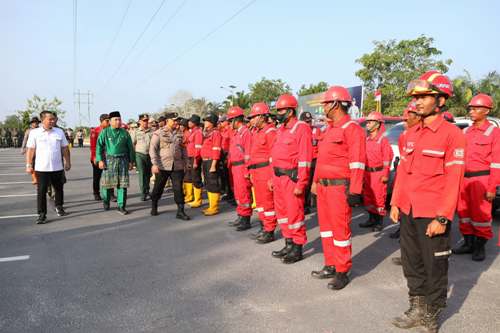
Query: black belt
point(380, 168)
point(293, 174)
point(476, 173)
point(258, 165)
point(333, 181)
point(237, 163)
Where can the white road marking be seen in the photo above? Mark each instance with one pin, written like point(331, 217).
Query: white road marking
point(18, 195)
point(12, 163)
point(17, 216)
point(13, 174)
point(358, 216)
point(7, 259)
point(12, 183)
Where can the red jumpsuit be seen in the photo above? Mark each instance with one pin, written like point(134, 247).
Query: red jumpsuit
point(378, 164)
point(261, 171)
point(291, 160)
point(239, 155)
point(482, 174)
point(339, 169)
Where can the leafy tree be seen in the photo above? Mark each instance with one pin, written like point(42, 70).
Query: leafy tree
point(313, 88)
point(267, 90)
point(240, 98)
point(12, 121)
point(392, 64)
point(37, 104)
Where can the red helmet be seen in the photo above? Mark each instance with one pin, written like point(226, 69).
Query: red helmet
point(431, 82)
point(259, 109)
point(337, 94)
point(234, 111)
point(286, 101)
point(376, 116)
point(448, 116)
point(411, 107)
point(482, 100)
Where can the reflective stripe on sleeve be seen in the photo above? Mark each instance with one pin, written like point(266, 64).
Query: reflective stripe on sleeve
point(495, 165)
point(344, 243)
point(455, 162)
point(357, 165)
point(325, 234)
point(283, 220)
point(271, 213)
point(215, 148)
point(433, 152)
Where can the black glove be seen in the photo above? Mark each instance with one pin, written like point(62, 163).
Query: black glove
point(354, 200)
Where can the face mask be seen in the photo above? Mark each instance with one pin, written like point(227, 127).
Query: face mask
point(281, 118)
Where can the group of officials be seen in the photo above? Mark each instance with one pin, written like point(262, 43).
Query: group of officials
point(271, 162)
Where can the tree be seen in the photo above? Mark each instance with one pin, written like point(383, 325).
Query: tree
point(319, 87)
point(37, 104)
point(267, 90)
point(240, 98)
point(392, 64)
point(12, 121)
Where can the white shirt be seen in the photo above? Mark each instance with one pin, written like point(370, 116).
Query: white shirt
point(48, 146)
point(354, 112)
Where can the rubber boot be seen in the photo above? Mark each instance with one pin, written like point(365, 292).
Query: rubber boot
point(479, 253)
point(414, 316)
point(213, 204)
point(265, 237)
point(294, 255)
point(154, 207)
point(340, 280)
point(188, 192)
point(281, 253)
point(244, 224)
point(197, 198)
point(368, 223)
point(379, 223)
point(467, 247)
point(431, 318)
point(327, 272)
point(181, 215)
point(255, 235)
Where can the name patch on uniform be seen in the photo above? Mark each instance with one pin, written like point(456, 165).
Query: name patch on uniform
point(459, 153)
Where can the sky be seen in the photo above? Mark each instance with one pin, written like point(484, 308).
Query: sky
point(188, 46)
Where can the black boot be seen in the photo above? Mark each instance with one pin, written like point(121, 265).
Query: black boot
point(467, 247)
point(97, 197)
point(244, 224)
point(60, 211)
point(154, 207)
point(368, 223)
point(294, 255)
point(105, 205)
point(281, 253)
point(395, 234)
point(479, 253)
point(379, 223)
point(235, 223)
point(255, 235)
point(340, 280)
point(265, 237)
point(181, 215)
point(414, 316)
point(327, 272)
point(431, 318)
point(41, 219)
point(122, 211)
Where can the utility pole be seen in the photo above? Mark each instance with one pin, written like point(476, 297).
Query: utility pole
point(88, 99)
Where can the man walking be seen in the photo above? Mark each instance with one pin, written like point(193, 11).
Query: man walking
point(49, 147)
point(115, 155)
point(141, 139)
point(96, 171)
point(193, 183)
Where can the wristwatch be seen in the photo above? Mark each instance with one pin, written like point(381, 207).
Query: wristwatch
point(29, 165)
point(443, 220)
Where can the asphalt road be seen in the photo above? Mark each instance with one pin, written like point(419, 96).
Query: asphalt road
point(96, 271)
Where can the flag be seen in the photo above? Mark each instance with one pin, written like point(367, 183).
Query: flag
point(378, 100)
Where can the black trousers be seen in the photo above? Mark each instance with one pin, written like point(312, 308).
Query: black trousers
point(96, 178)
point(425, 260)
point(195, 174)
point(225, 184)
point(161, 178)
point(80, 143)
point(308, 195)
point(45, 179)
point(212, 183)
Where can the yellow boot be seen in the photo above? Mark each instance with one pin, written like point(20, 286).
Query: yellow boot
point(254, 204)
point(188, 192)
point(197, 198)
point(213, 204)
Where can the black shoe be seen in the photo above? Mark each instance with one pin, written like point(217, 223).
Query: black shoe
point(113, 198)
point(368, 223)
point(154, 208)
point(379, 223)
point(235, 223)
point(181, 215)
point(479, 253)
point(294, 255)
point(431, 318)
point(414, 316)
point(41, 219)
point(97, 197)
point(467, 247)
point(265, 237)
point(283, 252)
point(105, 205)
point(60, 211)
point(122, 211)
point(255, 235)
point(340, 280)
point(244, 224)
point(395, 234)
point(145, 197)
point(397, 261)
point(327, 272)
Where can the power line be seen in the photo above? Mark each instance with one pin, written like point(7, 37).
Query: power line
point(75, 32)
point(113, 41)
point(134, 45)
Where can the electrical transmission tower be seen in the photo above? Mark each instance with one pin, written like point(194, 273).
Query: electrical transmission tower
point(84, 99)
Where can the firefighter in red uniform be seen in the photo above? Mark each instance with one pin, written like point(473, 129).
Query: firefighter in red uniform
point(338, 184)
point(194, 184)
point(210, 155)
point(291, 157)
point(425, 194)
point(308, 119)
point(239, 156)
point(225, 175)
point(378, 165)
point(482, 176)
point(261, 171)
